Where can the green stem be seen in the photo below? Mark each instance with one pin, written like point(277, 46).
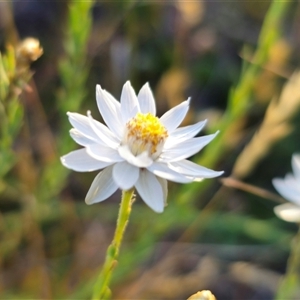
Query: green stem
point(101, 289)
point(289, 287)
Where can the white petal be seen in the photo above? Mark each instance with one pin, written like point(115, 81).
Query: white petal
point(288, 189)
point(125, 175)
point(183, 133)
point(164, 185)
point(105, 131)
point(291, 180)
point(173, 118)
point(150, 191)
point(186, 148)
point(82, 124)
point(142, 161)
point(146, 100)
point(129, 102)
point(102, 187)
point(110, 110)
point(80, 138)
point(288, 212)
point(105, 138)
point(103, 153)
point(164, 171)
point(296, 165)
point(191, 169)
point(80, 161)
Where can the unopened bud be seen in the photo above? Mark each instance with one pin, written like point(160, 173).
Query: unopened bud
point(203, 295)
point(28, 51)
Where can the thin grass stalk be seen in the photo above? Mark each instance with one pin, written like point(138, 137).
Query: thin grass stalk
point(240, 97)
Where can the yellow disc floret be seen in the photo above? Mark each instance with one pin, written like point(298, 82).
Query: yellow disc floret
point(145, 132)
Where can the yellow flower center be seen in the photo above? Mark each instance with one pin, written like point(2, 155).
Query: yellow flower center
point(145, 132)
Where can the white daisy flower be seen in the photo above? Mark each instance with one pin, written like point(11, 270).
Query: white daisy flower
point(136, 149)
point(289, 188)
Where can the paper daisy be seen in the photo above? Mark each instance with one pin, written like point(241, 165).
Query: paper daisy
point(289, 188)
point(136, 148)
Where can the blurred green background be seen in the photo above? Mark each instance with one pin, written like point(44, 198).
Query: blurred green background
point(233, 59)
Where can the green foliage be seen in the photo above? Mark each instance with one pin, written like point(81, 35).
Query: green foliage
point(73, 71)
point(11, 110)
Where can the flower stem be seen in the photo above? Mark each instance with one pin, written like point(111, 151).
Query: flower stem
point(101, 288)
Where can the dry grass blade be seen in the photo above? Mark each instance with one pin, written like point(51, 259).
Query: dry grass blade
point(234, 183)
point(275, 126)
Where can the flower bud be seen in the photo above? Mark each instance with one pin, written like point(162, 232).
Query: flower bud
point(203, 295)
